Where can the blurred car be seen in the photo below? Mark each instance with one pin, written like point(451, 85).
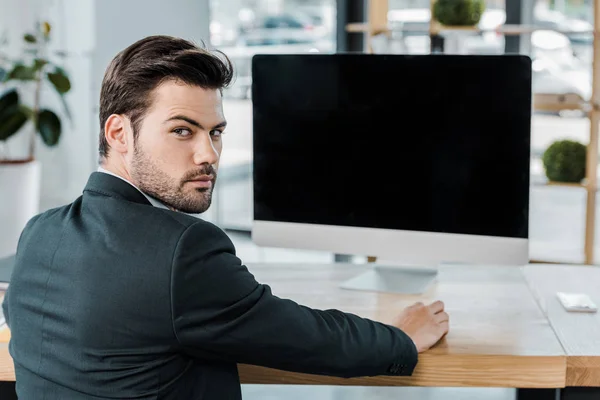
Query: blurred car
point(284, 33)
point(281, 29)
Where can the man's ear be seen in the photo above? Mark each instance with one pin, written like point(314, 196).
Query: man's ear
point(115, 132)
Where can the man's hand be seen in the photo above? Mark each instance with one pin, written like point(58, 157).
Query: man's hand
point(425, 325)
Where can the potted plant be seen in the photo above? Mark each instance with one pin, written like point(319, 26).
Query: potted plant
point(458, 12)
point(22, 119)
point(565, 161)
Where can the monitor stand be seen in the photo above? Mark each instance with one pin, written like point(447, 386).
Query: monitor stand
point(393, 279)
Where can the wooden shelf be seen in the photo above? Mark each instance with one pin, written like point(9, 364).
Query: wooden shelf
point(358, 27)
point(436, 28)
point(506, 29)
point(555, 102)
point(539, 183)
point(566, 184)
point(560, 107)
point(547, 183)
point(536, 261)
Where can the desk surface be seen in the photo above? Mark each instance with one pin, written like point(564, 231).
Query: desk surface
point(499, 336)
point(578, 333)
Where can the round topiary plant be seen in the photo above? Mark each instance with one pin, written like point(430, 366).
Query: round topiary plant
point(565, 161)
point(458, 12)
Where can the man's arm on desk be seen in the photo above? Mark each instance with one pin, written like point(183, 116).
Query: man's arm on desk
point(221, 312)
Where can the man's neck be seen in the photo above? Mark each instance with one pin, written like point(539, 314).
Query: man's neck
point(152, 200)
point(116, 171)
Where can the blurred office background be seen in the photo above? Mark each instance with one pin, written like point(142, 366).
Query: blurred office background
point(91, 32)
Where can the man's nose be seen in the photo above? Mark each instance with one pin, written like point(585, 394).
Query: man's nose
point(205, 151)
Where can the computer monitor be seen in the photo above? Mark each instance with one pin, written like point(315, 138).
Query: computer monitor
point(418, 160)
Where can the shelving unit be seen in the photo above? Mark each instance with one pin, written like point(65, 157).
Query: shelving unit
point(377, 24)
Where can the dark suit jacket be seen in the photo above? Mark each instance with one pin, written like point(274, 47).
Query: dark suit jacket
point(112, 298)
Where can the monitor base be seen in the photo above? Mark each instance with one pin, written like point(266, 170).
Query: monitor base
point(393, 279)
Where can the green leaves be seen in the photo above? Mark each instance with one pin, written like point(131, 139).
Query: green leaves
point(22, 73)
point(59, 80)
point(12, 115)
point(8, 100)
point(12, 121)
point(62, 84)
point(49, 127)
point(29, 38)
point(565, 161)
point(66, 108)
point(40, 71)
point(458, 12)
point(39, 63)
point(44, 28)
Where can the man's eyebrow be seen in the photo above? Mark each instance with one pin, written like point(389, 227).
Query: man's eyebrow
point(191, 121)
point(186, 119)
point(221, 124)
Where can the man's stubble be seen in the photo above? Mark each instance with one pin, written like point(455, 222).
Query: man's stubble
point(151, 180)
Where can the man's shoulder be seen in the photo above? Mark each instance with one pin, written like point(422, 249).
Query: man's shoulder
point(200, 233)
point(198, 227)
point(179, 224)
point(188, 223)
point(132, 214)
point(60, 212)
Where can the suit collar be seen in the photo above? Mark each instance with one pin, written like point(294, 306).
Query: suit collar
point(112, 186)
point(152, 200)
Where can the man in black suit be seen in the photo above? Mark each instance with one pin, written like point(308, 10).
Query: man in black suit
point(123, 295)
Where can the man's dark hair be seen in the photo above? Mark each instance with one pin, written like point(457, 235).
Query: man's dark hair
point(137, 70)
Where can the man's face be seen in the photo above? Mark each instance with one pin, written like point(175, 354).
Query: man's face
point(177, 151)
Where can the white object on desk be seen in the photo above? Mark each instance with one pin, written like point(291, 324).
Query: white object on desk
point(577, 302)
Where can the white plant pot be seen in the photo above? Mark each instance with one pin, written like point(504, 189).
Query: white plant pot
point(19, 201)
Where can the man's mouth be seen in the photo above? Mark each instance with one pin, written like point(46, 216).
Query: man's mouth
point(203, 178)
point(204, 181)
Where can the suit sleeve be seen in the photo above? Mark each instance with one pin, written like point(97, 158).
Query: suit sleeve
point(221, 312)
point(6, 299)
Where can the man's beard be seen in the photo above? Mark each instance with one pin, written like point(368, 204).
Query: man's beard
point(154, 182)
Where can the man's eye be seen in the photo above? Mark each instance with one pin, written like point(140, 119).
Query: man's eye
point(216, 133)
point(183, 132)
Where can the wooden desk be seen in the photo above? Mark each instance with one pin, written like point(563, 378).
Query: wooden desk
point(499, 336)
point(578, 333)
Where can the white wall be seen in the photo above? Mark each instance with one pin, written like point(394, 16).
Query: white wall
point(119, 23)
point(92, 31)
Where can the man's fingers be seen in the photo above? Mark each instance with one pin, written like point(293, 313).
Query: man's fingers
point(441, 317)
point(444, 327)
point(436, 307)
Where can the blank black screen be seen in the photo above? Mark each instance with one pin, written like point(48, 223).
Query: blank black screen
point(434, 143)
